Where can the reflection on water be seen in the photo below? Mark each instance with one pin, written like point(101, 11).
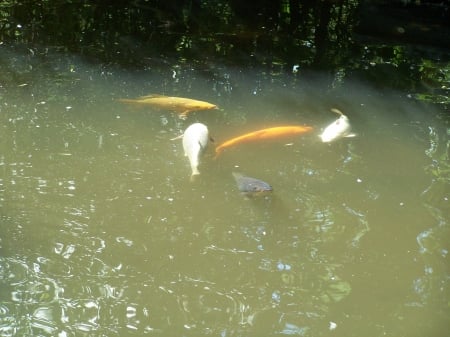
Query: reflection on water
point(103, 234)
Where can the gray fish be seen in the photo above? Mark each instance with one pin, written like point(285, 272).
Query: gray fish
point(251, 186)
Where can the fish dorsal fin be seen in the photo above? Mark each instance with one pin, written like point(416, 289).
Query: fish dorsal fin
point(177, 137)
point(152, 96)
point(260, 133)
point(237, 175)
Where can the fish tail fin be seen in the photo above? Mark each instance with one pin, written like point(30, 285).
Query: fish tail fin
point(218, 152)
point(194, 175)
point(151, 96)
point(337, 111)
point(126, 100)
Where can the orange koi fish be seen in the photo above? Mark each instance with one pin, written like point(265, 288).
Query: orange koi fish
point(179, 104)
point(270, 133)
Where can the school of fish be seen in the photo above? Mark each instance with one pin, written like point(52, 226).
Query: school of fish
point(196, 137)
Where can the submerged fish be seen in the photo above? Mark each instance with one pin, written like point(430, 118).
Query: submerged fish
point(340, 128)
point(179, 104)
point(195, 140)
point(270, 133)
point(251, 186)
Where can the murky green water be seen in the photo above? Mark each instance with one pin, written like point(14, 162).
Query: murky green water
point(103, 234)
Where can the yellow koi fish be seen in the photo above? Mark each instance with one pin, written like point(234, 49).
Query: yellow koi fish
point(179, 104)
point(270, 133)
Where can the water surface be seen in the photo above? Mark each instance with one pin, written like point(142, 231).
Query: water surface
point(103, 234)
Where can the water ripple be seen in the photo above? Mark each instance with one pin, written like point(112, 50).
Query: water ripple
point(14, 271)
point(43, 318)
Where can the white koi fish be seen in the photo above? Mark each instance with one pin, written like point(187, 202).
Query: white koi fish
point(340, 128)
point(195, 141)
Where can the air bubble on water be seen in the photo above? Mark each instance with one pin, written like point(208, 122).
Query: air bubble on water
point(276, 296)
point(131, 312)
point(164, 120)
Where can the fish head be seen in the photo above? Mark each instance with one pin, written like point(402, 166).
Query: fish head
point(201, 106)
point(258, 188)
point(251, 186)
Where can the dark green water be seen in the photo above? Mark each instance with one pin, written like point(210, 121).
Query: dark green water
point(103, 234)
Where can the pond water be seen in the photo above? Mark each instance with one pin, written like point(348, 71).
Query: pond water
point(102, 233)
